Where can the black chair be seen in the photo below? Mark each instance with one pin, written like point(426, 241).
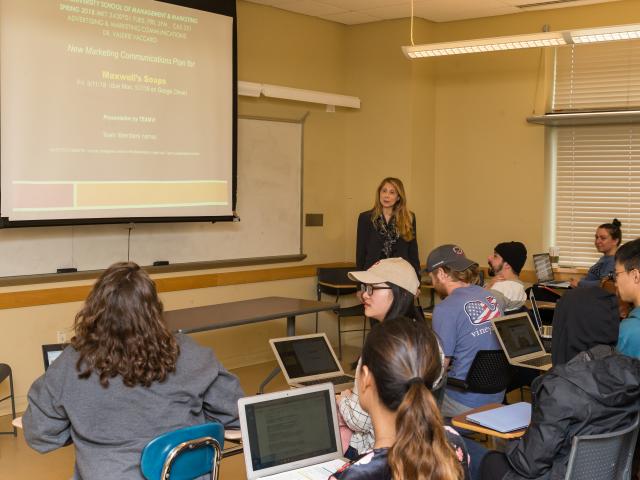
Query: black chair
point(490, 372)
point(5, 372)
point(607, 456)
point(335, 282)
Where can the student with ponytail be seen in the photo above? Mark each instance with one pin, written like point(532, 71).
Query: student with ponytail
point(400, 362)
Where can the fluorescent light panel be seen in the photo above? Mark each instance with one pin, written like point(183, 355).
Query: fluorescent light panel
point(542, 39)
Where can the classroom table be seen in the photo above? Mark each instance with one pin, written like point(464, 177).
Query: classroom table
point(461, 422)
point(244, 312)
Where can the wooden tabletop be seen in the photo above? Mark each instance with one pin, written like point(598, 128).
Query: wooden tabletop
point(461, 421)
point(211, 317)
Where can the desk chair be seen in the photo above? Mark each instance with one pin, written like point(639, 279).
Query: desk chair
point(490, 372)
point(184, 454)
point(607, 456)
point(334, 281)
point(5, 372)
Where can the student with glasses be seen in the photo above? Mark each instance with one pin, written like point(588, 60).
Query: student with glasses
point(627, 277)
point(388, 289)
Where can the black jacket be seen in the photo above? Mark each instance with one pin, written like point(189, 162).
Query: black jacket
point(583, 317)
point(596, 392)
point(369, 245)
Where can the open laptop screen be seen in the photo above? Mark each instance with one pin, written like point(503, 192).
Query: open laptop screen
point(52, 351)
point(518, 336)
point(289, 429)
point(303, 357)
point(542, 264)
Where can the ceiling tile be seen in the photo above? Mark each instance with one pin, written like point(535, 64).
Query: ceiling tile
point(311, 7)
point(350, 18)
point(390, 11)
point(357, 5)
point(274, 3)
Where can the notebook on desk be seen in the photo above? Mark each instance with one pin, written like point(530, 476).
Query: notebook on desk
point(292, 434)
point(309, 360)
point(504, 419)
point(520, 343)
point(544, 272)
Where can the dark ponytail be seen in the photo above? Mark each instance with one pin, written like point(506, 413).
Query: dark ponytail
point(614, 230)
point(404, 359)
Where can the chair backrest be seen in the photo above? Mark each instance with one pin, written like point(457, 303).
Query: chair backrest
point(490, 372)
point(184, 454)
point(5, 371)
point(336, 276)
point(606, 456)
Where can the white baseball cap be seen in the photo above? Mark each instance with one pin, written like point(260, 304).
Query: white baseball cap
point(393, 270)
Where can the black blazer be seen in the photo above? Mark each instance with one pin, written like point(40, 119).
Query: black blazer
point(369, 245)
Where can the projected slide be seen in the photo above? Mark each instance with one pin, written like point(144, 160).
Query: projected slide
point(114, 109)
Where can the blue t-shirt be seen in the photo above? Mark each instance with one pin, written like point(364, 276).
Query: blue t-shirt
point(629, 334)
point(462, 321)
point(599, 270)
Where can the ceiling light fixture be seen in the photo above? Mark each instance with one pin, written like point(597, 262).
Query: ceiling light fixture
point(534, 40)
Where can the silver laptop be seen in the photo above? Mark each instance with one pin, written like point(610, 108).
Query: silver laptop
point(52, 351)
point(309, 360)
point(520, 343)
point(544, 272)
point(292, 434)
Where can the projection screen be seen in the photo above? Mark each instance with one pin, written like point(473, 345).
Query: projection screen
point(116, 111)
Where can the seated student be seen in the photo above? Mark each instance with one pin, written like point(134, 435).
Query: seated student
point(505, 266)
point(462, 322)
point(627, 277)
point(607, 240)
point(598, 391)
point(124, 380)
point(400, 362)
point(388, 290)
point(583, 317)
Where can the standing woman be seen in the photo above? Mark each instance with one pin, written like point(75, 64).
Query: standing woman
point(400, 362)
point(388, 229)
point(607, 240)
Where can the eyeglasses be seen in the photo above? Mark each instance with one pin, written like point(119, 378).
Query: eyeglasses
point(614, 275)
point(368, 288)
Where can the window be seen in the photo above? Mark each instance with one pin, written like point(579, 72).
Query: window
point(597, 166)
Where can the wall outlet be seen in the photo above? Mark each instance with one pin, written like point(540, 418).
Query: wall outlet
point(62, 336)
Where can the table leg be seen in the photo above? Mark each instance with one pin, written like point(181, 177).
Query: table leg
point(291, 331)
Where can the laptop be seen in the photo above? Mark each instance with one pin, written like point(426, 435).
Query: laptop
point(520, 343)
point(292, 434)
point(309, 360)
point(52, 351)
point(504, 419)
point(544, 272)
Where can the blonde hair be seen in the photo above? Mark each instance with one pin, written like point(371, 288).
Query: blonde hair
point(404, 218)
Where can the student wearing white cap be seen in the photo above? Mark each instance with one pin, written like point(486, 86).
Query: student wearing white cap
point(389, 288)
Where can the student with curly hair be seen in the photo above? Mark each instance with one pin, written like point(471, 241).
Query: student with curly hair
point(124, 380)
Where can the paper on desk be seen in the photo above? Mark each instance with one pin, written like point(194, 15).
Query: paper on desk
point(314, 472)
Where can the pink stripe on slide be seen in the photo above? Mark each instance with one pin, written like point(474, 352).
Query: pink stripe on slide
point(42, 195)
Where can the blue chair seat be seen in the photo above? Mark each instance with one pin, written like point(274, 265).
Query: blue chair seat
point(184, 454)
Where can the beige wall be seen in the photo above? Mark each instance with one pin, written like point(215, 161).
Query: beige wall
point(454, 129)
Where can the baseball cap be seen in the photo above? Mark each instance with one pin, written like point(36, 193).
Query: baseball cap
point(451, 256)
point(394, 270)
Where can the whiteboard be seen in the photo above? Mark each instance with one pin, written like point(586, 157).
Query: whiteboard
point(269, 207)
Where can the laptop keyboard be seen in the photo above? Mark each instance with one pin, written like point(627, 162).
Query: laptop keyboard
point(538, 362)
point(335, 380)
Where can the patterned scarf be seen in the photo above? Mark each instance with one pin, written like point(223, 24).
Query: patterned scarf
point(389, 234)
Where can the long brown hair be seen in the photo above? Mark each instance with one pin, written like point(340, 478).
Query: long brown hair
point(404, 218)
point(404, 359)
point(120, 330)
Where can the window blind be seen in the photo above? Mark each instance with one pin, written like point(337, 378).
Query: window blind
point(597, 179)
point(597, 77)
point(597, 167)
